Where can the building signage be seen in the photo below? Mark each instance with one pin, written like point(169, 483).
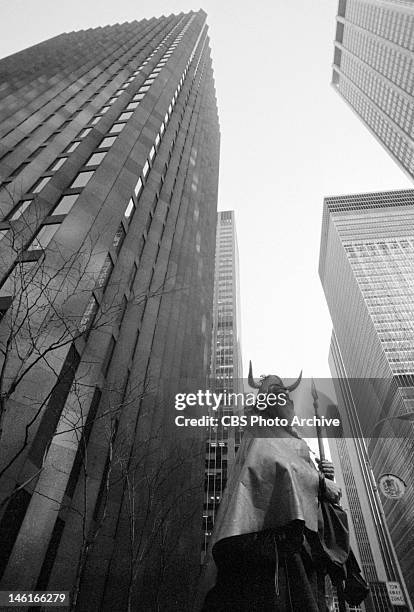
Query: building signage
point(391, 486)
point(395, 594)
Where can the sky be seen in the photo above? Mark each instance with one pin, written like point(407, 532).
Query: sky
point(287, 141)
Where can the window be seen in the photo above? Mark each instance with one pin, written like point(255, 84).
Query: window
point(132, 105)
point(118, 93)
point(149, 82)
point(105, 273)
point(40, 184)
point(112, 100)
point(95, 159)
point(125, 116)
point(65, 204)
point(152, 153)
point(107, 361)
point(146, 169)
point(58, 164)
point(19, 169)
point(88, 315)
point(53, 410)
point(82, 179)
point(85, 132)
point(118, 239)
point(95, 120)
point(138, 97)
point(72, 146)
point(116, 128)
point(144, 88)
point(44, 236)
point(122, 311)
point(138, 187)
point(107, 142)
point(19, 210)
point(5, 302)
point(132, 275)
point(105, 109)
point(129, 209)
point(157, 140)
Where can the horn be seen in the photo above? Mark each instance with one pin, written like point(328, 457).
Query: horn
point(295, 384)
point(252, 383)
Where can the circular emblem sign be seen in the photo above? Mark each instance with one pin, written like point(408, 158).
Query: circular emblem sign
point(391, 486)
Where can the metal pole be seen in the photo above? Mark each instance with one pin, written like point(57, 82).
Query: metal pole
point(318, 427)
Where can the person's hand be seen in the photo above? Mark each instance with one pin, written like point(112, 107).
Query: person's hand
point(327, 468)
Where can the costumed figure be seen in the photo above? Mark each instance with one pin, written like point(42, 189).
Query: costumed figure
point(280, 530)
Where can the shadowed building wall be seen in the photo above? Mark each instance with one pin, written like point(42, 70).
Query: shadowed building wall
point(109, 167)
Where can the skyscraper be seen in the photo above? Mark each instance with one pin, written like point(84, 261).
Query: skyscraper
point(373, 70)
point(109, 169)
point(226, 367)
point(368, 539)
point(366, 268)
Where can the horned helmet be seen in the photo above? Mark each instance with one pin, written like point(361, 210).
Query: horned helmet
point(271, 383)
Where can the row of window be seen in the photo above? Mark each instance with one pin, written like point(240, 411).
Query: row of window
point(47, 231)
point(120, 235)
point(85, 105)
point(385, 59)
point(384, 129)
point(389, 99)
point(387, 23)
point(67, 201)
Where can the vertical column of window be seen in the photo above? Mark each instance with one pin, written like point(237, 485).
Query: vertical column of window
point(144, 88)
point(51, 224)
point(127, 113)
point(106, 143)
point(54, 408)
point(114, 47)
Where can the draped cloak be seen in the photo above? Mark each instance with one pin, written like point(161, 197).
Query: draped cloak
point(273, 484)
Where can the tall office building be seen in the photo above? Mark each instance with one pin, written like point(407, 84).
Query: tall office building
point(226, 368)
point(367, 272)
point(109, 168)
point(373, 70)
point(352, 473)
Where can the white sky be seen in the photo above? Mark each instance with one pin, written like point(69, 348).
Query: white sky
point(288, 140)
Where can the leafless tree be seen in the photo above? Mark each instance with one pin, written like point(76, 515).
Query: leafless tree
point(41, 318)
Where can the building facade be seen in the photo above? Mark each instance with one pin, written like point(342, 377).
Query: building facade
point(367, 273)
point(373, 70)
point(226, 368)
point(352, 473)
point(109, 166)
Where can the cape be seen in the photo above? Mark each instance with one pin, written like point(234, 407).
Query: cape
point(273, 482)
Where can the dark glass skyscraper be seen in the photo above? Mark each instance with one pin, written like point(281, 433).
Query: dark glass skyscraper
point(109, 168)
